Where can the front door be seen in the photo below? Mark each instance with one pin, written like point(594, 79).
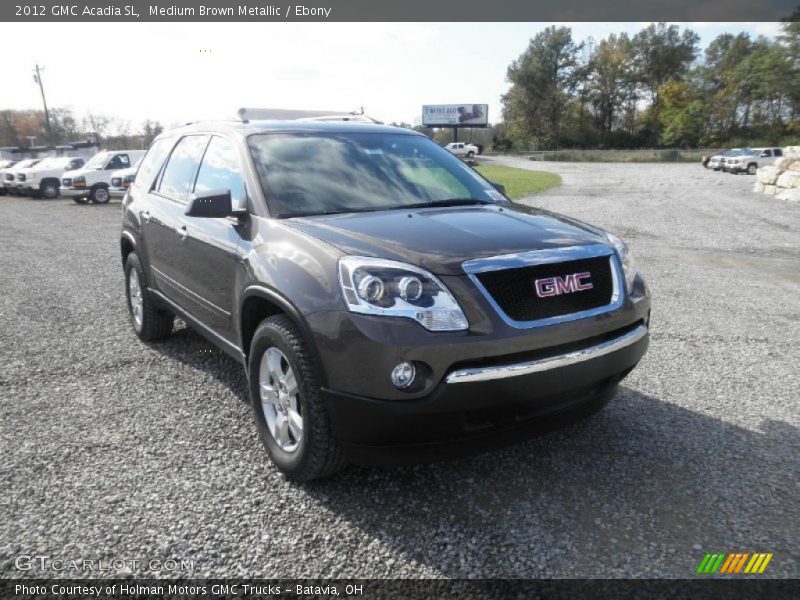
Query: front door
point(210, 253)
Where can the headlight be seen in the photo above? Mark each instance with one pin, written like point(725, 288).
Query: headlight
point(376, 286)
point(626, 258)
point(127, 180)
point(79, 181)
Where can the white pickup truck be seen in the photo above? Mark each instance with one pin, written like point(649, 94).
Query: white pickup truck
point(463, 149)
point(93, 180)
point(121, 180)
point(44, 178)
point(6, 166)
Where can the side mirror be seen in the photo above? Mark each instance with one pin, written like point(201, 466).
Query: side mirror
point(499, 187)
point(211, 204)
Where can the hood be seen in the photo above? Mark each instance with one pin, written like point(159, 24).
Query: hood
point(79, 172)
point(440, 239)
point(123, 172)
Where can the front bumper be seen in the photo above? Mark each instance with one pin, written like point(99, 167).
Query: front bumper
point(70, 192)
point(117, 192)
point(479, 408)
point(737, 168)
point(502, 374)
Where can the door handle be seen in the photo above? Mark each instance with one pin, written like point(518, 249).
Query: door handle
point(182, 232)
point(146, 216)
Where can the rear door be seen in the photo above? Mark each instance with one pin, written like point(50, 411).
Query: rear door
point(210, 256)
point(162, 221)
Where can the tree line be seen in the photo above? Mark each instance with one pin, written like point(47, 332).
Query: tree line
point(653, 89)
point(17, 126)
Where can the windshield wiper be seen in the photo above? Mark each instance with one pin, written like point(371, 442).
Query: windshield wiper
point(433, 203)
point(446, 202)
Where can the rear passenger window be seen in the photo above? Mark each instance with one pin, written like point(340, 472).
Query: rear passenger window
point(220, 170)
point(181, 168)
point(778, 152)
point(152, 163)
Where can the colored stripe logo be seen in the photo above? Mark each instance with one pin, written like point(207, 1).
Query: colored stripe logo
point(734, 563)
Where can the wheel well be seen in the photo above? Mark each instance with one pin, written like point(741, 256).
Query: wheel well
point(102, 184)
point(126, 246)
point(254, 310)
point(55, 180)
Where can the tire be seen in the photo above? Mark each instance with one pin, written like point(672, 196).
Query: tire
point(470, 154)
point(752, 168)
point(148, 321)
point(278, 351)
point(49, 190)
point(80, 199)
point(100, 194)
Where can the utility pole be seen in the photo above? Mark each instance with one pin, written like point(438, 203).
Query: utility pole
point(37, 77)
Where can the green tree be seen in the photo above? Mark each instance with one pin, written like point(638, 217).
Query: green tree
point(663, 52)
point(610, 80)
point(542, 81)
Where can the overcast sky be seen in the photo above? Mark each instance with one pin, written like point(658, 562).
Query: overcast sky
point(157, 70)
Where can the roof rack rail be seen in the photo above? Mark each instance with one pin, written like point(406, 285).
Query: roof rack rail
point(287, 114)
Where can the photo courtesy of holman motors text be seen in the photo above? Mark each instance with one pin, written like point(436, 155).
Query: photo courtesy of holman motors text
point(423, 299)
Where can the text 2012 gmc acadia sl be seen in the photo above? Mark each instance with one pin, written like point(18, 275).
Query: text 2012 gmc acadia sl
point(387, 302)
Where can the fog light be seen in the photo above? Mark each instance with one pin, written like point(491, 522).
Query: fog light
point(403, 375)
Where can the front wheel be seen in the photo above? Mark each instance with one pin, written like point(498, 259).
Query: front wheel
point(751, 169)
point(49, 190)
point(470, 154)
point(289, 411)
point(99, 195)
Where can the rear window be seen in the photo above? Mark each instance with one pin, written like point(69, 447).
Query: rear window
point(181, 167)
point(151, 163)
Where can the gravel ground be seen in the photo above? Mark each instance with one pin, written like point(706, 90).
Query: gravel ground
point(113, 449)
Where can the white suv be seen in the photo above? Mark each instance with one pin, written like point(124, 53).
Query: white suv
point(750, 160)
point(44, 178)
point(92, 182)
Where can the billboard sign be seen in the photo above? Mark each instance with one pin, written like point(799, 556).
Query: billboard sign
point(455, 115)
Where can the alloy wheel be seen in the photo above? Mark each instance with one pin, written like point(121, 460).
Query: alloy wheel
point(135, 297)
point(278, 390)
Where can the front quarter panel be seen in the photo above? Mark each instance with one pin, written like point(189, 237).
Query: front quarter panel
point(299, 270)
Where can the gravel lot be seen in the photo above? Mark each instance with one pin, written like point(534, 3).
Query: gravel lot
point(117, 449)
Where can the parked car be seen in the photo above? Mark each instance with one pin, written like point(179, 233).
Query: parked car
point(44, 178)
point(715, 162)
point(749, 160)
point(12, 182)
point(93, 180)
point(121, 180)
point(384, 301)
point(5, 165)
point(706, 158)
point(463, 149)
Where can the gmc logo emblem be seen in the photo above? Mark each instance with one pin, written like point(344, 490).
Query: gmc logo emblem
point(555, 286)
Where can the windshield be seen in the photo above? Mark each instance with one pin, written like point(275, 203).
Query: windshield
point(49, 162)
point(27, 163)
point(98, 161)
point(321, 173)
